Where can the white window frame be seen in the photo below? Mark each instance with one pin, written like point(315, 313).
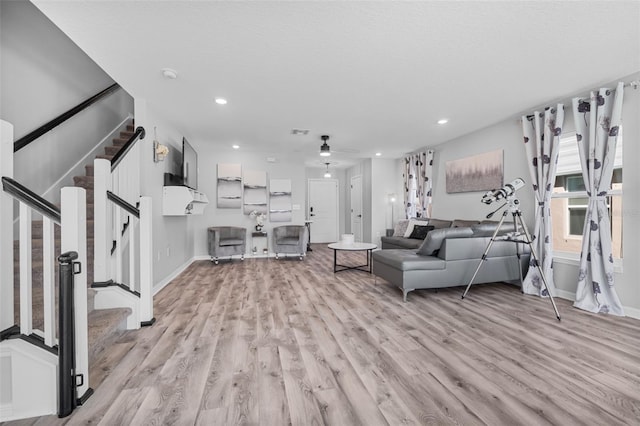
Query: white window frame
point(570, 258)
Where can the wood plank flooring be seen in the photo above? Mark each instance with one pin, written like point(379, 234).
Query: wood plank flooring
point(279, 342)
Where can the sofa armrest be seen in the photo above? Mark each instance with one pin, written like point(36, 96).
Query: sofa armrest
point(433, 242)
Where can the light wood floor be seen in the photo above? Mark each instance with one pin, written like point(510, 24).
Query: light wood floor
point(289, 342)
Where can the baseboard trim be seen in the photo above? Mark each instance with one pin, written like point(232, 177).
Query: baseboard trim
point(162, 284)
point(628, 311)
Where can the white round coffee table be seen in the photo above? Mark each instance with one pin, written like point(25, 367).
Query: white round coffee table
point(336, 247)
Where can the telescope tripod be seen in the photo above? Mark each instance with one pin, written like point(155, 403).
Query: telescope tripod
point(513, 208)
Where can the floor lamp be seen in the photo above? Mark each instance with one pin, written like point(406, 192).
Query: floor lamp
point(392, 201)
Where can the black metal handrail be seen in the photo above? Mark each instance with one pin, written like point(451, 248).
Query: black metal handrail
point(123, 204)
point(139, 134)
point(31, 199)
point(30, 137)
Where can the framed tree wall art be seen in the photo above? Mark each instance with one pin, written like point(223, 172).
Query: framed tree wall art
point(255, 191)
point(229, 186)
point(280, 200)
point(481, 172)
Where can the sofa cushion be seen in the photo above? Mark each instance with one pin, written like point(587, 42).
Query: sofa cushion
point(439, 223)
point(420, 232)
point(434, 239)
point(405, 260)
point(459, 223)
point(400, 228)
point(486, 229)
point(399, 243)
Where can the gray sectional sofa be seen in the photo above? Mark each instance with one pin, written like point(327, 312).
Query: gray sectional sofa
point(448, 257)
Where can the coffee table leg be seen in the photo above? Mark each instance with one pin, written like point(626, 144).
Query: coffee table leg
point(335, 261)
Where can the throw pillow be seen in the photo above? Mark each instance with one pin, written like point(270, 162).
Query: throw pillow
point(401, 228)
point(420, 232)
point(413, 222)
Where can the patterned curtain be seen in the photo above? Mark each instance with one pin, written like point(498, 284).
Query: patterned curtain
point(598, 123)
point(418, 184)
point(541, 141)
point(427, 190)
point(409, 183)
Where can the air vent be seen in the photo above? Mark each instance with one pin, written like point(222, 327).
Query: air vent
point(299, 131)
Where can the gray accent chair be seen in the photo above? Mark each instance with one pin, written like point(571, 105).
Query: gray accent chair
point(290, 239)
point(226, 241)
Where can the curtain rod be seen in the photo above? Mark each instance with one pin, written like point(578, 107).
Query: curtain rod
point(634, 84)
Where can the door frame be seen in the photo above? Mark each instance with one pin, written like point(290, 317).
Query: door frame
point(309, 180)
point(359, 177)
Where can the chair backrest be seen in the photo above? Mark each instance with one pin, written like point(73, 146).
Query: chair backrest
point(288, 231)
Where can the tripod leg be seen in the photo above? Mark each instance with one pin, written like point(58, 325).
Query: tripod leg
point(537, 262)
point(484, 255)
point(518, 253)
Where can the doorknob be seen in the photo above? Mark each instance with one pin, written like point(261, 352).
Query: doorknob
point(359, 215)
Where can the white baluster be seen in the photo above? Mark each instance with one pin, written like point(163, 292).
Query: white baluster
point(26, 318)
point(48, 281)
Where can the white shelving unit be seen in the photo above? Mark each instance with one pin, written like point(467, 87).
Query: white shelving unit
point(182, 201)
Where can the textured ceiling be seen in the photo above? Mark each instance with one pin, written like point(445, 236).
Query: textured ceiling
point(375, 76)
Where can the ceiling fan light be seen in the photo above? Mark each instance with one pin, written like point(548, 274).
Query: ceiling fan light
point(327, 174)
point(325, 150)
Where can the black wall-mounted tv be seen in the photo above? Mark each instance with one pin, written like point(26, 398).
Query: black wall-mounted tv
point(189, 165)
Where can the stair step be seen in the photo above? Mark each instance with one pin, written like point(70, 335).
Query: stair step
point(131, 128)
point(106, 157)
point(120, 141)
point(105, 327)
point(126, 134)
point(88, 170)
point(85, 182)
point(111, 150)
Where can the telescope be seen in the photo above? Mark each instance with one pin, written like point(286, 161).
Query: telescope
point(504, 192)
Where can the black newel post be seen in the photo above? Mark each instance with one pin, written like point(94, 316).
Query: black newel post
point(67, 398)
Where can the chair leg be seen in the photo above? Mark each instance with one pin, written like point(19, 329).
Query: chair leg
point(242, 257)
point(215, 261)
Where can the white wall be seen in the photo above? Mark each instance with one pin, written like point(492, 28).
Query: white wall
point(43, 74)
point(507, 135)
point(172, 235)
point(287, 166)
point(383, 182)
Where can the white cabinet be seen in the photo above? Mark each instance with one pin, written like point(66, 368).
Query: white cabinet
point(181, 201)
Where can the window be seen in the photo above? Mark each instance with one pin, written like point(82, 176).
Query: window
point(569, 200)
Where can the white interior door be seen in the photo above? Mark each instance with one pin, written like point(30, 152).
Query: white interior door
point(356, 208)
point(323, 210)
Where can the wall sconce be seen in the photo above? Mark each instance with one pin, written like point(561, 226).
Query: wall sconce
point(160, 151)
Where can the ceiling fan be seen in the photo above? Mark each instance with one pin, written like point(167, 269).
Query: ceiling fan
point(325, 149)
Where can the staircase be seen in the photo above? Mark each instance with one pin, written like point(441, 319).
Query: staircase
point(105, 325)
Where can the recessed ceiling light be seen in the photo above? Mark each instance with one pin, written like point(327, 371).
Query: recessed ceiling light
point(221, 101)
point(235, 146)
point(378, 154)
point(169, 73)
point(443, 121)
